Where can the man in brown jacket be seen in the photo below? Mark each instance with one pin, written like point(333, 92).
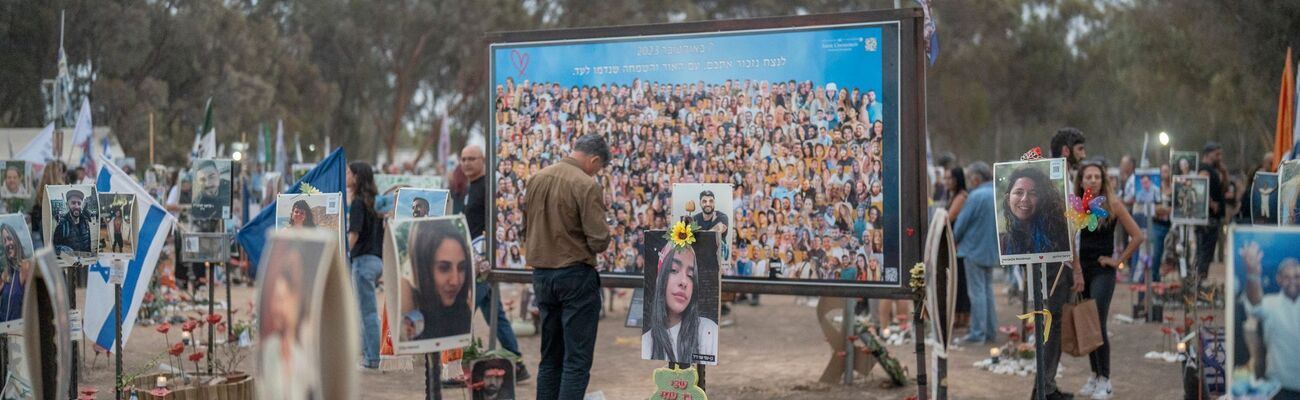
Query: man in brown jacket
point(565, 228)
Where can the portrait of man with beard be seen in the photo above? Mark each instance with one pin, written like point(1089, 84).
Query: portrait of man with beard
point(211, 190)
point(72, 233)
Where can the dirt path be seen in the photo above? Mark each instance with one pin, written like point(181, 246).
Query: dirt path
point(774, 351)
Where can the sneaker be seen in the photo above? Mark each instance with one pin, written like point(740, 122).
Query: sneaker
point(1104, 390)
point(1090, 387)
point(521, 373)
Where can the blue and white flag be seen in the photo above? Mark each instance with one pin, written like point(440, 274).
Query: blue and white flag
point(329, 176)
point(155, 228)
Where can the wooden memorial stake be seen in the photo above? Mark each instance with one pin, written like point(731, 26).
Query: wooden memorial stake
point(849, 349)
point(918, 337)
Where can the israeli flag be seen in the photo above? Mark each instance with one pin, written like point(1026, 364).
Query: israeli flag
point(154, 230)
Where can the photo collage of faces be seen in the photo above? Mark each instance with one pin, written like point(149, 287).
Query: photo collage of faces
point(803, 159)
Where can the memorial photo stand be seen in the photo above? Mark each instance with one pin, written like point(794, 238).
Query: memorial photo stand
point(211, 249)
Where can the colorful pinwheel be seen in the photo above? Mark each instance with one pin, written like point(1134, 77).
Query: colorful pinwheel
point(1087, 211)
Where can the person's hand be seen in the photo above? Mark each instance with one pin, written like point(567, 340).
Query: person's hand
point(1253, 257)
point(1108, 262)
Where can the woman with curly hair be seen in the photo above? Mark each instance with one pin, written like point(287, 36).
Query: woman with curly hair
point(1034, 215)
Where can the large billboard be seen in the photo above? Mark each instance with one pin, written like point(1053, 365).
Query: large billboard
point(813, 122)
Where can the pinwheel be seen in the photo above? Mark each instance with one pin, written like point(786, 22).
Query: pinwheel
point(1085, 212)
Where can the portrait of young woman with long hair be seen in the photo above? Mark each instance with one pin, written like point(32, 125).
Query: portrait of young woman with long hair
point(676, 327)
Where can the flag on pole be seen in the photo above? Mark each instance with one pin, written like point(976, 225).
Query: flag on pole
point(444, 143)
point(154, 231)
point(261, 144)
point(328, 176)
point(1282, 139)
point(205, 141)
point(41, 149)
point(82, 133)
point(281, 155)
point(297, 150)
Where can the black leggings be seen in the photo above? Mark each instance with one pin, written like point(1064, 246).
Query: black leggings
point(1099, 285)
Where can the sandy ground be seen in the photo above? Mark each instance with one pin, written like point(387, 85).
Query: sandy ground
point(774, 351)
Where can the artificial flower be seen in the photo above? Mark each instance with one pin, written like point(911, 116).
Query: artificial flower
point(190, 325)
point(196, 356)
point(176, 349)
point(214, 318)
point(163, 327)
point(682, 235)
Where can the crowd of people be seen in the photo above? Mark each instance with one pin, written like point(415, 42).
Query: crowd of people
point(804, 160)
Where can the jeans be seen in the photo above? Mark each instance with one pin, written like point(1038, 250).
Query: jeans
point(1207, 238)
point(569, 301)
point(1099, 285)
point(505, 332)
point(366, 271)
point(1056, 304)
point(1158, 233)
point(983, 306)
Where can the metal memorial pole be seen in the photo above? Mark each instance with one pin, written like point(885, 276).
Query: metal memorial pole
point(72, 305)
point(212, 332)
point(849, 348)
point(494, 309)
point(1037, 285)
point(433, 376)
point(117, 276)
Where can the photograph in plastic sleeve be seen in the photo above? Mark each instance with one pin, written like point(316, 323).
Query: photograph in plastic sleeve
point(435, 284)
point(493, 379)
point(388, 184)
point(211, 190)
point(1184, 162)
point(1262, 310)
point(310, 211)
point(709, 206)
point(16, 265)
point(1264, 196)
point(72, 220)
point(1030, 206)
point(420, 203)
point(117, 224)
point(206, 247)
point(46, 326)
point(1146, 190)
point(1289, 202)
point(1191, 200)
point(682, 294)
point(292, 270)
point(15, 189)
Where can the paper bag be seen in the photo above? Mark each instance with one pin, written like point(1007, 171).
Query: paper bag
point(1080, 328)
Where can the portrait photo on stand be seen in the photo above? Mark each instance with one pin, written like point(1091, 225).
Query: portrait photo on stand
point(1289, 184)
point(1031, 211)
point(682, 285)
point(1264, 196)
point(420, 203)
point(493, 379)
point(1184, 162)
point(211, 190)
point(1146, 190)
point(1262, 310)
point(710, 207)
point(310, 211)
point(288, 328)
point(806, 161)
point(15, 270)
point(16, 188)
point(434, 284)
point(1191, 200)
point(117, 224)
point(71, 220)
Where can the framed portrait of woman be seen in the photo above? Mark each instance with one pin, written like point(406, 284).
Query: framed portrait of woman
point(433, 265)
point(288, 318)
point(15, 270)
point(1030, 205)
point(682, 292)
point(324, 210)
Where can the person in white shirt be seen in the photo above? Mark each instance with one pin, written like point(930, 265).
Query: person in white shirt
point(1280, 314)
point(676, 329)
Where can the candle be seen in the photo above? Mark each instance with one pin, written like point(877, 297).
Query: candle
point(885, 333)
point(162, 381)
point(1182, 347)
point(185, 338)
point(995, 352)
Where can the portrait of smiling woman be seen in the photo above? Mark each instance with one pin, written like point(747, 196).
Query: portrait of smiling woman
point(681, 304)
point(437, 281)
point(1032, 224)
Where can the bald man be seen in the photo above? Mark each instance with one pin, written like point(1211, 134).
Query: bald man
point(474, 206)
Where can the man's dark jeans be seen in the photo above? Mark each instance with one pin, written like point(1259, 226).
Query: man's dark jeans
point(1207, 240)
point(569, 301)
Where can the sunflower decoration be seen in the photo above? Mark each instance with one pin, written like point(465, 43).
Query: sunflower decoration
point(683, 235)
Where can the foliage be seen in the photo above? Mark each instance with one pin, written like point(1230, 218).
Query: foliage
point(357, 71)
